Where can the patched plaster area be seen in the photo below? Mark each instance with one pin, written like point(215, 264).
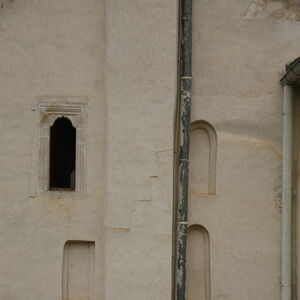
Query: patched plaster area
point(288, 10)
point(147, 193)
point(4, 4)
point(163, 161)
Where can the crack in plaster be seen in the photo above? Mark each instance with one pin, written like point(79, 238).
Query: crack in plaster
point(148, 198)
point(151, 178)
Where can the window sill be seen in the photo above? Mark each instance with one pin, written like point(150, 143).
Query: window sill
point(60, 194)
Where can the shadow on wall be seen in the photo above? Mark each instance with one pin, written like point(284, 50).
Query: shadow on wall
point(203, 159)
point(198, 264)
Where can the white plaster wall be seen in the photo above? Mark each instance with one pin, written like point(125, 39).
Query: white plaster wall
point(47, 48)
point(141, 96)
point(239, 52)
point(57, 49)
point(123, 57)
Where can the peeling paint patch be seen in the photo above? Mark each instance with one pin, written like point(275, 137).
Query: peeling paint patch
point(278, 193)
point(255, 7)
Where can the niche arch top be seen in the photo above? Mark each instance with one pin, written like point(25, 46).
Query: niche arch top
point(73, 110)
point(203, 159)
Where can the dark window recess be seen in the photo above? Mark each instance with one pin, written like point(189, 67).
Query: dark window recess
point(62, 154)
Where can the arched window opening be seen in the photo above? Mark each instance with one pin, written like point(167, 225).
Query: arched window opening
point(62, 154)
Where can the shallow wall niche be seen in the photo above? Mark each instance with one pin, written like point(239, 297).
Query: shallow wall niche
point(198, 264)
point(78, 270)
point(203, 158)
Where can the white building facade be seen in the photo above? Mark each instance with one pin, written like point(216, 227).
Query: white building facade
point(111, 69)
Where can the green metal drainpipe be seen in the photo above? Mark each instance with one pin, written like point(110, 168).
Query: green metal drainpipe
point(184, 140)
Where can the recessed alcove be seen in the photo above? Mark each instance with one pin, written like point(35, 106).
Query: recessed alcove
point(78, 270)
point(203, 158)
point(198, 264)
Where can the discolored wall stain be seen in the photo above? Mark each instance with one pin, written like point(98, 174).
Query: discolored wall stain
point(289, 12)
point(4, 4)
point(255, 7)
point(273, 9)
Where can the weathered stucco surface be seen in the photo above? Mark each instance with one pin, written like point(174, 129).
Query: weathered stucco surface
point(141, 96)
point(238, 61)
point(48, 49)
point(56, 50)
point(4, 5)
point(122, 57)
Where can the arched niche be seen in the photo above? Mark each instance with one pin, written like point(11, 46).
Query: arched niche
point(198, 264)
point(203, 159)
point(78, 270)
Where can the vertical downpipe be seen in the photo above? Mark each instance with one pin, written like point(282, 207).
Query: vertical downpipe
point(287, 152)
point(184, 139)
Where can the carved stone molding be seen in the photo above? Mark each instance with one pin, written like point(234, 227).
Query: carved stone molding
point(48, 110)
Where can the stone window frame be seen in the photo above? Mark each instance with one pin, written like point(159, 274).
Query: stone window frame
point(48, 110)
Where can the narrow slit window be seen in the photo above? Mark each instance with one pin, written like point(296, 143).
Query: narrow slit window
point(62, 155)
